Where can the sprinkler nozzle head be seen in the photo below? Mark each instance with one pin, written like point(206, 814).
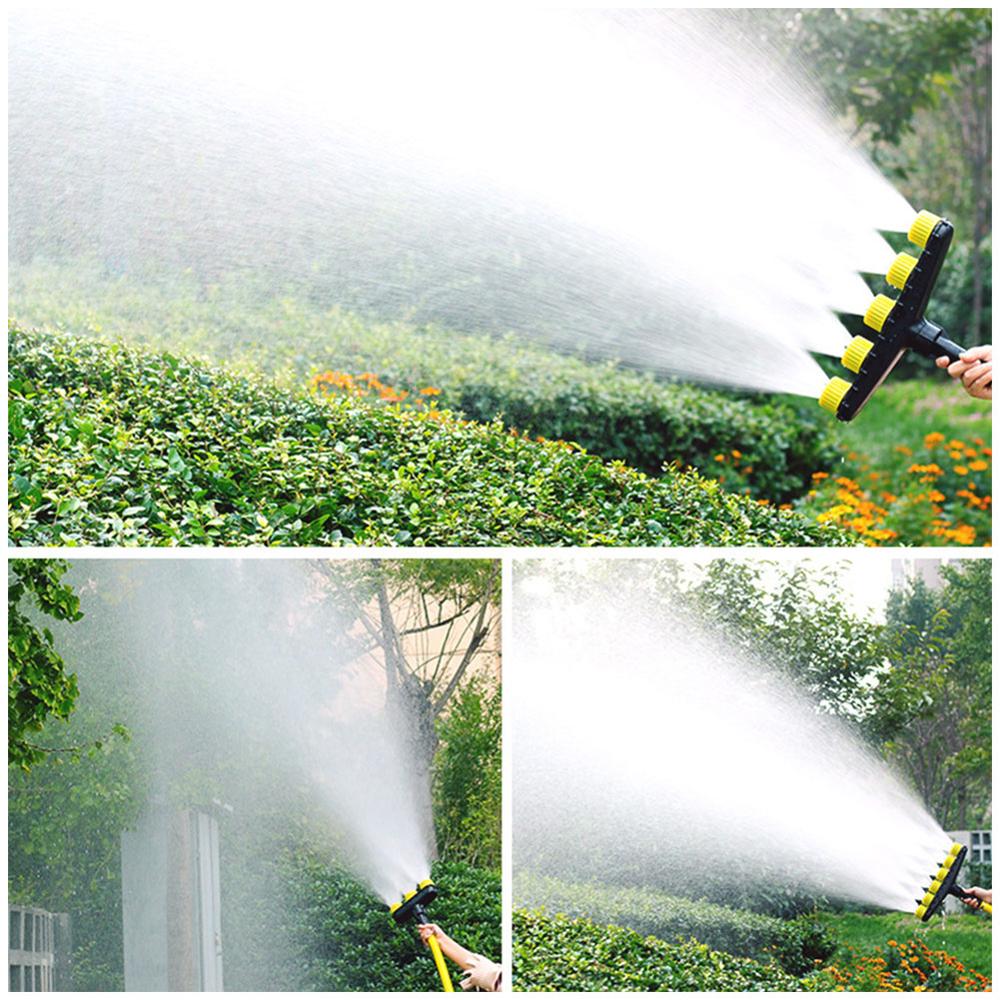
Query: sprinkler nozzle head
point(923, 226)
point(900, 270)
point(920, 911)
point(834, 392)
point(878, 312)
point(956, 849)
point(413, 902)
point(857, 351)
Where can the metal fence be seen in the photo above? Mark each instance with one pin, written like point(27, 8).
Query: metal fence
point(36, 949)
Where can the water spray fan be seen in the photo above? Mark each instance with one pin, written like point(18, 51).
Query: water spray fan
point(945, 884)
point(411, 907)
point(899, 324)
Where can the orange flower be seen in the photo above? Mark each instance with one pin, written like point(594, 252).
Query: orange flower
point(820, 475)
point(932, 439)
point(430, 391)
point(961, 470)
point(979, 465)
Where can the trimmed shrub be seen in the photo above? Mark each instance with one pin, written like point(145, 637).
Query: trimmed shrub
point(559, 954)
point(797, 945)
point(111, 445)
point(767, 449)
point(349, 942)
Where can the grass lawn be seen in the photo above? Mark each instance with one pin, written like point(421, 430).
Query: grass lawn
point(903, 412)
point(969, 937)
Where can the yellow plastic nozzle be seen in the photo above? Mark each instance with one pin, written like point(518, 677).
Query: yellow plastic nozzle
point(923, 226)
point(900, 270)
point(834, 392)
point(948, 862)
point(394, 906)
point(857, 351)
point(934, 886)
point(955, 849)
point(878, 312)
point(921, 910)
point(423, 885)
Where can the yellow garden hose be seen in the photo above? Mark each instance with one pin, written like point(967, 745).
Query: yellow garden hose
point(435, 947)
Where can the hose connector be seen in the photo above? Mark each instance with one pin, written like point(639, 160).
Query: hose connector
point(900, 270)
point(922, 227)
point(834, 392)
point(878, 312)
point(857, 350)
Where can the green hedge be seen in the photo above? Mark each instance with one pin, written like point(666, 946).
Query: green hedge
point(111, 445)
point(608, 410)
point(349, 942)
point(556, 953)
point(795, 944)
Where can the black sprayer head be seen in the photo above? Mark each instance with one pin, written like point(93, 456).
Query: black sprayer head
point(411, 907)
point(897, 325)
point(943, 885)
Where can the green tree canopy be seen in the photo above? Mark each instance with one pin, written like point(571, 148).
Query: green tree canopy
point(39, 687)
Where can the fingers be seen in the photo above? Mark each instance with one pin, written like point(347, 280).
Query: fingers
point(943, 362)
point(982, 353)
point(979, 381)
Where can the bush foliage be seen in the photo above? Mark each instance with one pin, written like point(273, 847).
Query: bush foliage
point(111, 445)
point(560, 954)
point(768, 449)
point(349, 942)
point(797, 945)
point(467, 777)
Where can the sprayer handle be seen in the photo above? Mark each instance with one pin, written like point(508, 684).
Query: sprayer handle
point(986, 908)
point(435, 947)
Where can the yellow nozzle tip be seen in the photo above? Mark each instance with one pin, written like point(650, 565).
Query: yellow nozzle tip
point(934, 886)
point(900, 270)
point(928, 899)
point(857, 351)
point(923, 226)
point(878, 312)
point(394, 906)
point(955, 849)
point(920, 911)
point(834, 392)
point(423, 885)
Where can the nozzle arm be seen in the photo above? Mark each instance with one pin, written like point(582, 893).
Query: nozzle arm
point(930, 340)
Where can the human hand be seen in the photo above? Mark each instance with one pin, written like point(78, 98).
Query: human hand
point(975, 897)
point(427, 931)
point(975, 369)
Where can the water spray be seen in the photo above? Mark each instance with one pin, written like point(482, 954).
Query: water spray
point(898, 324)
point(945, 884)
point(411, 907)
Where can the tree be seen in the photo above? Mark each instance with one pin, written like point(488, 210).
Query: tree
point(796, 624)
point(38, 685)
point(427, 619)
point(934, 706)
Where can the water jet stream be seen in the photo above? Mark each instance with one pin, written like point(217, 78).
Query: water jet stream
point(649, 751)
point(620, 184)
